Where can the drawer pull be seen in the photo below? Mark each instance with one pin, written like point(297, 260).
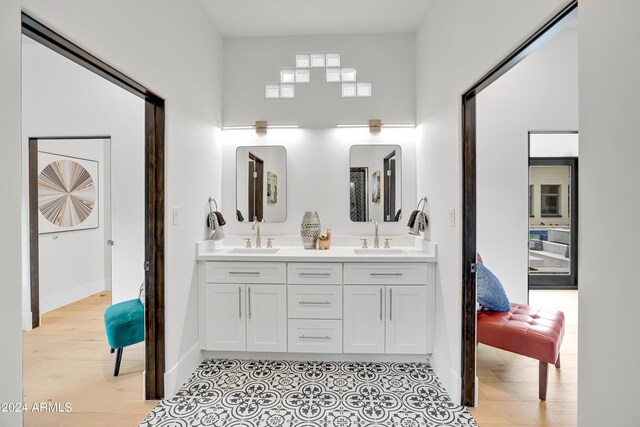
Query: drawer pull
point(304, 337)
point(385, 274)
point(244, 273)
point(315, 303)
point(315, 274)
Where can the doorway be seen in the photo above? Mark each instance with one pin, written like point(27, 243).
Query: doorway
point(154, 196)
point(256, 188)
point(553, 222)
point(469, 201)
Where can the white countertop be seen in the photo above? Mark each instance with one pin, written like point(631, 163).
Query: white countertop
point(423, 252)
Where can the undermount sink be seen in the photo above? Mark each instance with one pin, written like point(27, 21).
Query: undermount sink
point(254, 250)
point(378, 251)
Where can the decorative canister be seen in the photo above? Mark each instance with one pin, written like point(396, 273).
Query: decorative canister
point(310, 229)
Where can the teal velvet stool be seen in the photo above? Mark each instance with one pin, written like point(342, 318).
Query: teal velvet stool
point(124, 323)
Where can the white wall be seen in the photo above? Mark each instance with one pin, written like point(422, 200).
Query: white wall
point(72, 264)
point(178, 54)
point(385, 60)
point(458, 42)
point(608, 343)
point(540, 93)
point(10, 189)
point(554, 144)
point(318, 177)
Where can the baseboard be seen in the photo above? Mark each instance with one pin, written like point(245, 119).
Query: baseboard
point(27, 321)
point(320, 357)
point(449, 378)
point(179, 373)
point(70, 295)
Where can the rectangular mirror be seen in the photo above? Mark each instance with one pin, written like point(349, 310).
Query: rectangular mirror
point(261, 184)
point(375, 183)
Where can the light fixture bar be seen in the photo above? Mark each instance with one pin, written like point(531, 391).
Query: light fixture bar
point(237, 127)
point(384, 125)
point(283, 126)
point(245, 127)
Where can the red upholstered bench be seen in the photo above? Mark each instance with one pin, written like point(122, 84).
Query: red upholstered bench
point(527, 331)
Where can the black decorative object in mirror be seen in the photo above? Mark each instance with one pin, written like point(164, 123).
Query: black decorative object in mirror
point(375, 190)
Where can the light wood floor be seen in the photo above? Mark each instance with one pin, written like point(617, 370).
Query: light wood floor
point(67, 359)
point(509, 382)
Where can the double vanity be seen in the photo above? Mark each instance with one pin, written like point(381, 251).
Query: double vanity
point(339, 302)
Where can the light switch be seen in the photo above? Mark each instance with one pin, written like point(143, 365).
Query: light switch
point(176, 215)
point(452, 217)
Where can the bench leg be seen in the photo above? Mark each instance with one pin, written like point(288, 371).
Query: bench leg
point(558, 362)
point(542, 378)
point(116, 370)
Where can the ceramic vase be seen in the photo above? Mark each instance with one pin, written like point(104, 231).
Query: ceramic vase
point(310, 229)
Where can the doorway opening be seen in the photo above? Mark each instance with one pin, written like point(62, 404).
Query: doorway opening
point(469, 192)
point(553, 210)
point(154, 124)
point(256, 188)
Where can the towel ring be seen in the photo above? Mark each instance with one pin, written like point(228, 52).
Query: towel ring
point(424, 202)
point(211, 199)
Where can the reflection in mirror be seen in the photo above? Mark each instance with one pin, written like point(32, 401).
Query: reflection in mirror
point(375, 183)
point(261, 184)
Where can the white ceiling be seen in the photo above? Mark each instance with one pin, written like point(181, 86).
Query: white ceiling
point(247, 18)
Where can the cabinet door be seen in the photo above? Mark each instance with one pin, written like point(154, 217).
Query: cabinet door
point(407, 324)
point(267, 318)
point(225, 317)
point(364, 319)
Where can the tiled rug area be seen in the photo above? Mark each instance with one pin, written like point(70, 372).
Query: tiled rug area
point(253, 393)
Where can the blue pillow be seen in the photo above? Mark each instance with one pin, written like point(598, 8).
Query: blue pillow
point(491, 294)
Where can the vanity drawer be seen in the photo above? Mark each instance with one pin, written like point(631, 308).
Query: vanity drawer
point(245, 272)
point(315, 336)
point(386, 273)
point(314, 302)
point(314, 273)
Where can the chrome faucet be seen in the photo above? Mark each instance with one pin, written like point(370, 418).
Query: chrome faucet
point(376, 240)
point(256, 227)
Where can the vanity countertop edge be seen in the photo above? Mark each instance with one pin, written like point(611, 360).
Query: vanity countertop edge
point(424, 251)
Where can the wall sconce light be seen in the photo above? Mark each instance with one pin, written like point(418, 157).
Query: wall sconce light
point(261, 127)
point(376, 125)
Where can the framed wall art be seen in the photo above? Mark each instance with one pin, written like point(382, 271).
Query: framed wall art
point(67, 193)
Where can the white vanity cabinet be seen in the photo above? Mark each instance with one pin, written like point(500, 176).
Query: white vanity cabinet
point(267, 318)
point(243, 309)
point(225, 318)
point(388, 318)
point(357, 308)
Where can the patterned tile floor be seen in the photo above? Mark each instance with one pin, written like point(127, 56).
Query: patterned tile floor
point(257, 393)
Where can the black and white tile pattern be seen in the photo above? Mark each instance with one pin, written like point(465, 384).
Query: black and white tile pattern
point(264, 393)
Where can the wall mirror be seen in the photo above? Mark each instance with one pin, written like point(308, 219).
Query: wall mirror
point(375, 183)
point(261, 184)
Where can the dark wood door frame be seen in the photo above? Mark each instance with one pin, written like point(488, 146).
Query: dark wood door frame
point(154, 195)
point(547, 31)
point(564, 281)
